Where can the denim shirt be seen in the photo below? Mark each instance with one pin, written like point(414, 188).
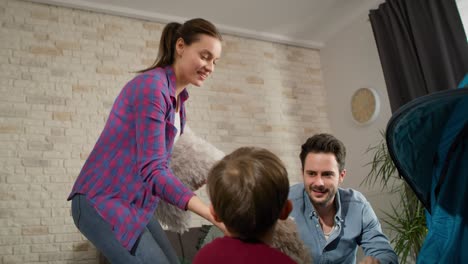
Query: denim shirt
point(355, 225)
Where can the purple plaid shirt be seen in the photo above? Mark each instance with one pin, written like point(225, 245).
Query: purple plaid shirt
point(128, 170)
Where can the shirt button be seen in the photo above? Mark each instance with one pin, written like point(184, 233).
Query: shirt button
point(316, 226)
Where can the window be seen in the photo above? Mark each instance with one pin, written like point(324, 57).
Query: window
point(463, 9)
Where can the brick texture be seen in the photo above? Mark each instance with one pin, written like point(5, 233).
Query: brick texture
point(60, 71)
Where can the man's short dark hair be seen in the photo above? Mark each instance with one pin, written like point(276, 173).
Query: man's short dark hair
point(324, 143)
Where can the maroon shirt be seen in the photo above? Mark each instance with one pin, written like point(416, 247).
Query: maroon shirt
point(228, 250)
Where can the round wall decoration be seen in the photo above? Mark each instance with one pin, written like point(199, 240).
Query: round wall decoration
point(365, 105)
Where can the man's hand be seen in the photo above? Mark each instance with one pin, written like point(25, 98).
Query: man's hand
point(369, 260)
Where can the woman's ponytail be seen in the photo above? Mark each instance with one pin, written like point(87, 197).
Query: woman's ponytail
point(169, 36)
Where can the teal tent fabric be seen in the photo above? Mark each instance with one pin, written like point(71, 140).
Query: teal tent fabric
point(464, 82)
point(428, 142)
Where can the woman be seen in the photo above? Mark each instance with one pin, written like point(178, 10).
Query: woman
point(118, 189)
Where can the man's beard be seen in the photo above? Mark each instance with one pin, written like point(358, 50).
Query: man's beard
point(324, 200)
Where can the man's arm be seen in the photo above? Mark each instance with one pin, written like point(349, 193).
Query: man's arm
point(373, 242)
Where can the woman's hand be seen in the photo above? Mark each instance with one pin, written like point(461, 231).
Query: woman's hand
point(197, 206)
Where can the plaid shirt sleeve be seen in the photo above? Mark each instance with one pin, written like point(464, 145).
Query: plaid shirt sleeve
point(153, 111)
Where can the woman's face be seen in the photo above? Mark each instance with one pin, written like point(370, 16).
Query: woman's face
point(195, 62)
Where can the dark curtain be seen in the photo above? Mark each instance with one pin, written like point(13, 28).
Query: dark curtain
point(422, 47)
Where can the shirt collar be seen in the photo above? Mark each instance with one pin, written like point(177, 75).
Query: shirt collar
point(310, 209)
point(171, 78)
point(338, 206)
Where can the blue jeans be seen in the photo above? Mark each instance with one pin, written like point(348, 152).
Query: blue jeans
point(151, 247)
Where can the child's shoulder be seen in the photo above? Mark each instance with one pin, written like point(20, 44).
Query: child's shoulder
point(212, 252)
point(231, 250)
point(275, 256)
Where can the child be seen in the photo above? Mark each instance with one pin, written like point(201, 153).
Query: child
point(248, 190)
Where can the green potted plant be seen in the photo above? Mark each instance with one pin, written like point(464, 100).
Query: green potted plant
point(406, 220)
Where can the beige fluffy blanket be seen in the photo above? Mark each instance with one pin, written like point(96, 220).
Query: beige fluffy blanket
point(192, 158)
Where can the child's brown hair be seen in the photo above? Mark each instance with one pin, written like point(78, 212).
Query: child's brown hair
point(248, 190)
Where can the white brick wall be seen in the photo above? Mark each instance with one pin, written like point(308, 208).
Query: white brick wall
point(60, 71)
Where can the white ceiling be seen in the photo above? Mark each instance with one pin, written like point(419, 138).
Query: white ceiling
point(305, 23)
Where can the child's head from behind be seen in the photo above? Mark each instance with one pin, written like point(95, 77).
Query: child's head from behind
point(248, 190)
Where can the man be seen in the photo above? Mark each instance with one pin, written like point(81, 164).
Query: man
point(333, 221)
